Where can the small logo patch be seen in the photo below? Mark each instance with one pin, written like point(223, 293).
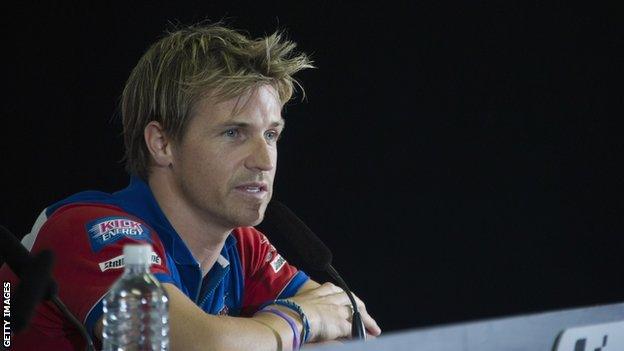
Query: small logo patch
point(118, 262)
point(277, 263)
point(113, 263)
point(108, 230)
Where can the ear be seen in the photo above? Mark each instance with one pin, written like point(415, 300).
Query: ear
point(158, 144)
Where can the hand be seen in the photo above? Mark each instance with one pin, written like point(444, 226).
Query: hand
point(328, 309)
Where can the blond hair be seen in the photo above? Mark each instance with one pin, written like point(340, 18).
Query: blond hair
point(191, 62)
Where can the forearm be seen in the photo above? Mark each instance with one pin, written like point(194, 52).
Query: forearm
point(326, 306)
point(262, 332)
point(192, 329)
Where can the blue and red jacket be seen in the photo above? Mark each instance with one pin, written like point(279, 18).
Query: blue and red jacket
point(87, 232)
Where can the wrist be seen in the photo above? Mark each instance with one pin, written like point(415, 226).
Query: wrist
point(285, 324)
point(276, 330)
point(293, 307)
point(292, 314)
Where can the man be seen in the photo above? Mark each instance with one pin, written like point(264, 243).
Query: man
point(202, 117)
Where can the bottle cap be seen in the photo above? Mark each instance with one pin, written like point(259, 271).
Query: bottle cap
point(137, 254)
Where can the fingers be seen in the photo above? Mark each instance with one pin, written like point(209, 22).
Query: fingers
point(369, 323)
point(334, 323)
point(327, 293)
point(346, 311)
point(330, 313)
point(337, 296)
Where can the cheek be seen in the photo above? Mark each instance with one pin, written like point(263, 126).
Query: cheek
point(221, 167)
point(198, 163)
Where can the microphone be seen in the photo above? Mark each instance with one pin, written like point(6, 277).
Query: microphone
point(35, 286)
point(312, 251)
point(22, 264)
point(36, 283)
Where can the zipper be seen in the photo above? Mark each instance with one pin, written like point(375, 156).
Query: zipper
point(227, 270)
point(201, 280)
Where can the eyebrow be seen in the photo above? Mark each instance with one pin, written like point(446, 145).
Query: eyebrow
point(280, 123)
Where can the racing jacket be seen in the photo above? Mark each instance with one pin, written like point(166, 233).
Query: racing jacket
point(87, 232)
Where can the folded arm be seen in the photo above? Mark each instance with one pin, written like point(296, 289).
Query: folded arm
point(193, 329)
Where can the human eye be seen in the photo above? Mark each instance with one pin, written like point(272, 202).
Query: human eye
point(231, 133)
point(272, 135)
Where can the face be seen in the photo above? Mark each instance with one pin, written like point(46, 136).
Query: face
point(224, 166)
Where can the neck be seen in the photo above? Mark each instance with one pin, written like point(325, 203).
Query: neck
point(203, 237)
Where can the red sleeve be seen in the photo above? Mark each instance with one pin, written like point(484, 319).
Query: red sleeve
point(87, 241)
point(266, 272)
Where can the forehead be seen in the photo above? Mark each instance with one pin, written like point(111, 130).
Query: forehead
point(260, 103)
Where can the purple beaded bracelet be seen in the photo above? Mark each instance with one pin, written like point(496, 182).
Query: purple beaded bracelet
point(290, 321)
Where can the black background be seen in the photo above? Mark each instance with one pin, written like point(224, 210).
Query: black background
point(461, 159)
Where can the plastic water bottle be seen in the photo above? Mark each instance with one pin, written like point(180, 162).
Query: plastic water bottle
point(135, 308)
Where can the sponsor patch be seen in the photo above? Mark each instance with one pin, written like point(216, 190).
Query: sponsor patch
point(108, 230)
point(118, 262)
point(113, 263)
point(277, 263)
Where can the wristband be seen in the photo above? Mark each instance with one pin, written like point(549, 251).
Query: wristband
point(305, 332)
point(290, 321)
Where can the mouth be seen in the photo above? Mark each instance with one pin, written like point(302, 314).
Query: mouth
point(255, 189)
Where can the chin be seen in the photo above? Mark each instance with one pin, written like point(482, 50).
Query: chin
point(250, 218)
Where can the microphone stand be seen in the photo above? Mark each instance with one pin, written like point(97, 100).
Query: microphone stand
point(61, 306)
point(357, 326)
point(36, 283)
point(314, 253)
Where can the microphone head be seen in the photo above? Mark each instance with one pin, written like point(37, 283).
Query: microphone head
point(309, 247)
point(12, 252)
point(22, 262)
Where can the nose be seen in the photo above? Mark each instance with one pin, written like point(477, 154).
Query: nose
point(262, 156)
